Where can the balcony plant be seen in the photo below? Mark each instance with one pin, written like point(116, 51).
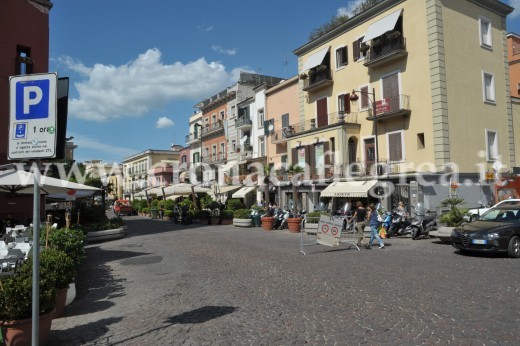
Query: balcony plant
point(16, 304)
point(364, 47)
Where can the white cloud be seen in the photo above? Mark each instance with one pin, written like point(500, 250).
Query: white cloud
point(145, 84)
point(164, 122)
point(516, 5)
point(87, 143)
point(205, 28)
point(347, 11)
point(219, 49)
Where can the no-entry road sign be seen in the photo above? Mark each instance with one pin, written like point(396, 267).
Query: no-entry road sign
point(33, 120)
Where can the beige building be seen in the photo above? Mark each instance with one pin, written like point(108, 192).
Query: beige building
point(418, 87)
point(110, 174)
point(149, 168)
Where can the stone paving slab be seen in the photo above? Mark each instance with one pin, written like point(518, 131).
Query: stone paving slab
point(167, 284)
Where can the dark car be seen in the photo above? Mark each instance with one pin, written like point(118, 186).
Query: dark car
point(497, 230)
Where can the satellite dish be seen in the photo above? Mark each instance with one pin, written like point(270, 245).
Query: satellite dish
point(497, 165)
point(271, 127)
point(243, 139)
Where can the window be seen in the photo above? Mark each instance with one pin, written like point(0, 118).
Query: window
point(420, 141)
point(222, 150)
point(213, 118)
point(222, 115)
point(363, 97)
point(234, 145)
point(491, 145)
point(344, 104)
point(485, 32)
point(488, 87)
point(395, 146)
point(358, 52)
point(341, 57)
point(261, 118)
point(261, 146)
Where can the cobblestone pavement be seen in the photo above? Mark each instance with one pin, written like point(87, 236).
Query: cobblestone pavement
point(220, 285)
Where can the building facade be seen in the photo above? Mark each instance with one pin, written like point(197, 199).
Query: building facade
point(417, 88)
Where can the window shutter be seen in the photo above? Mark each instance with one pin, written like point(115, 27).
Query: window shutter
point(294, 156)
point(326, 154)
point(345, 55)
point(395, 147)
point(355, 50)
point(312, 158)
point(346, 103)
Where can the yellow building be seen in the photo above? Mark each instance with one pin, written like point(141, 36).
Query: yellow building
point(418, 88)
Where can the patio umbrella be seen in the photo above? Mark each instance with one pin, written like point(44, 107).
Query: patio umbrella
point(184, 189)
point(22, 182)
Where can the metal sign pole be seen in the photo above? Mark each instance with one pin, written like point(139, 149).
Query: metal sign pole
point(36, 257)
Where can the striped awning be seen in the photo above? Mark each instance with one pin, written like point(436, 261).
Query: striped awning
point(243, 192)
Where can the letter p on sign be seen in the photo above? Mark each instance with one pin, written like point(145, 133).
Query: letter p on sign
point(32, 99)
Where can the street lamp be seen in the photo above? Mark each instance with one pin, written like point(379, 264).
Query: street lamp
point(354, 97)
point(200, 155)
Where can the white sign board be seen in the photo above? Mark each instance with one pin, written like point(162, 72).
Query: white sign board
point(33, 119)
point(329, 231)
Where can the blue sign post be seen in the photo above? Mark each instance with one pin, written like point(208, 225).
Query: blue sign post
point(33, 119)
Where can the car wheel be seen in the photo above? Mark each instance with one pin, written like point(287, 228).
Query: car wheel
point(415, 233)
point(513, 250)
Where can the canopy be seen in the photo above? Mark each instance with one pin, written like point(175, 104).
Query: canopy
point(242, 193)
point(184, 189)
point(383, 25)
point(227, 167)
point(315, 59)
point(348, 188)
point(228, 188)
point(22, 182)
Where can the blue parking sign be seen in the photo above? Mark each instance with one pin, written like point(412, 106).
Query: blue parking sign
point(20, 131)
point(32, 99)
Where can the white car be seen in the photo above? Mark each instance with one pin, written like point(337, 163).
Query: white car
point(473, 214)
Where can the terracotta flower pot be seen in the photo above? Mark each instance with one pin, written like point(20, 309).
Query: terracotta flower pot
point(61, 297)
point(19, 332)
point(267, 223)
point(294, 224)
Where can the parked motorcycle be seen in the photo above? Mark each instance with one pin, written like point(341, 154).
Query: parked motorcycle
point(284, 215)
point(422, 224)
point(399, 224)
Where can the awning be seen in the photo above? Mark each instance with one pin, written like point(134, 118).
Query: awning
point(315, 59)
point(348, 188)
point(242, 193)
point(383, 25)
point(227, 188)
point(184, 189)
point(227, 167)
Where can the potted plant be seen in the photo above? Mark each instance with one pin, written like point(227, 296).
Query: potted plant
point(453, 218)
point(294, 223)
point(203, 216)
point(364, 47)
point(242, 218)
point(108, 230)
point(168, 214)
point(267, 219)
point(16, 304)
point(57, 264)
point(226, 217)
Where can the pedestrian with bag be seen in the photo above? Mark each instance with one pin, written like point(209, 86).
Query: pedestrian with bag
point(360, 217)
point(373, 222)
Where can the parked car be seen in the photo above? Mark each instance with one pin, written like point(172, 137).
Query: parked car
point(123, 207)
point(497, 230)
point(473, 214)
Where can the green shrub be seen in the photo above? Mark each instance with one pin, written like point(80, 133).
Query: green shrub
point(59, 265)
point(234, 204)
point(145, 210)
point(314, 216)
point(71, 241)
point(202, 214)
point(226, 214)
point(242, 214)
point(168, 213)
point(169, 204)
point(16, 292)
point(155, 203)
point(455, 216)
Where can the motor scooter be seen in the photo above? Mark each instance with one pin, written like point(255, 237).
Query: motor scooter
point(422, 224)
point(284, 216)
point(399, 224)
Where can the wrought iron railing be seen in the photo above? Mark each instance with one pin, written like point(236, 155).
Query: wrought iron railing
point(218, 126)
point(317, 77)
point(384, 46)
point(390, 105)
point(240, 122)
point(313, 124)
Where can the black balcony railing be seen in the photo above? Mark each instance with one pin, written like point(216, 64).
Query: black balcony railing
point(215, 127)
point(317, 77)
point(192, 137)
point(243, 122)
point(391, 106)
point(314, 125)
point(384, 49)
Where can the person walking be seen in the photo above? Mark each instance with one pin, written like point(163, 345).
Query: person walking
point(373, 222)
point(360, 217)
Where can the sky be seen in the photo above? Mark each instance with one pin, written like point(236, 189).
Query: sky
point(137, 68)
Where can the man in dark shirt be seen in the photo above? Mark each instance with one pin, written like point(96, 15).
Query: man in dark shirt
point(360, 216)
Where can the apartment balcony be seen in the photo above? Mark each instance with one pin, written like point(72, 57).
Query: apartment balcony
point(213, 128)
point(243, 123)
point(279, 136)
point(214, 158)
point(385, 49)
point(390, 107)
point(311, 125)
point(318, 78)
point(364, 168)
point(192, 138)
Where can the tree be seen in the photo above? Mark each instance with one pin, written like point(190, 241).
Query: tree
point(294, 171)
point(455, 216)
